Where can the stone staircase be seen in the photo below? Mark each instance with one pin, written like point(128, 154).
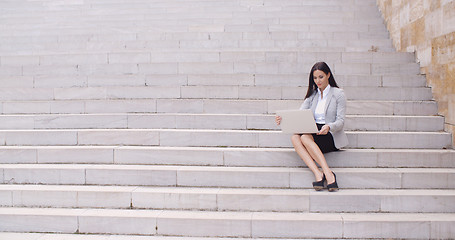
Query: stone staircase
point(122, 118)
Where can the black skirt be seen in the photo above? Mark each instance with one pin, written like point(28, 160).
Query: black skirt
point(325, 142)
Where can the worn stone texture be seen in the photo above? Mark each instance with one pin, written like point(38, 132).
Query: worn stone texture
point(427, 27)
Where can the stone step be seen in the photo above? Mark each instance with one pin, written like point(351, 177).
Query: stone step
point(171, 45)
point(219, 6)
point(199, 21)
point(213, 106)
point(257, 42)
point(209, 121)
point(194, 18)
point(140, 63)
point(191, 11)
point(194, 9)
point(211, 138)
point(193, 14)
point(270, 92)
point(286, 45)
point(130, 65)
point(228, 224)
point(208, 19)
point(277, 81)
point(160, 3)
point(153, 40)
point(206, 92)
point(230, 157)
point(380, 107)
point(283, 80)
point(332, 9)
point(228, 199)
point(27, 30)
point(256, 8)
point(60, 236)
point(230, 177)
point(220, 55)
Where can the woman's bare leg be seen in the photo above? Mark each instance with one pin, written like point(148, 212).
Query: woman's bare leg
point(313, 150)
point(305, 156)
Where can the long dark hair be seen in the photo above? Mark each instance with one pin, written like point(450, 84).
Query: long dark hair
point(311, 85)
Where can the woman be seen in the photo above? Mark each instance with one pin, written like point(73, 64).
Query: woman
point(329, 105)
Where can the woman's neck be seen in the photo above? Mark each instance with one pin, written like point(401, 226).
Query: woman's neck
point(322, 91)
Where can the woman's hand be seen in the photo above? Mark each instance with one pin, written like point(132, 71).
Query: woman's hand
point(278, 120)
point(324, 130)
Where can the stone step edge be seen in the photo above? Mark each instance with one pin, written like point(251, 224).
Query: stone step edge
point(115, 4)
point(328, 50)
point(40, 115)
point(267, 106)
point(223, 149)
point(234, 75)
point(254, 131)
point(265, 50)
point(212, 99)
point(207, 137)
point(219, 190)
point(227, 224)
point(203, 176)
point(201, 131)
point(73, 10)
point(128, 121)
point(172, 95)
point(223, 190)
point(176, 214)
point(230, 66)
point(333, 50)
point(217, 156)
point(187, 130)
point(209, 198)
point(366, 27)
point(63, 236)
point(213, 168)
point(342, 54)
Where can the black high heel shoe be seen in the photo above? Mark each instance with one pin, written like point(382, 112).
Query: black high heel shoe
point(319, 185)
point(333, 186)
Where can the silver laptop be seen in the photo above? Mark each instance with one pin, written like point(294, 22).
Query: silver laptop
point(297, 121)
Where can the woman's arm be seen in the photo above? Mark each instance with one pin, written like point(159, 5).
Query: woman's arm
point(340, 112)
point(306, 104)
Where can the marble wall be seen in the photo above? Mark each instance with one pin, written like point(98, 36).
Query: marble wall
point(427, 27)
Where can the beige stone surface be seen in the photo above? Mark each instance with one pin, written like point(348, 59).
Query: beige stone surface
point(427, 27)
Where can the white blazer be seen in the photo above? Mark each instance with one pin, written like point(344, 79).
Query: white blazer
point(335, 112)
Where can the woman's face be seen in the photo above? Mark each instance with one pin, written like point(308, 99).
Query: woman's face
point(321, 79)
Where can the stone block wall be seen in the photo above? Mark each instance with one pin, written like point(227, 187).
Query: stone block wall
point(427, 27)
